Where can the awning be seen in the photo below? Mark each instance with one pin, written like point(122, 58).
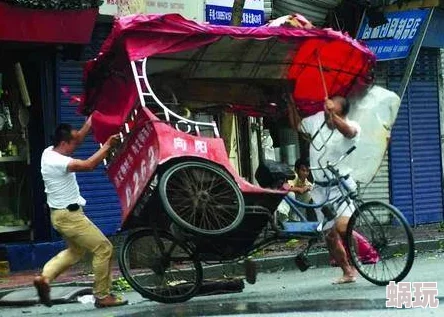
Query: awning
point(201, 54)
point(46, 26)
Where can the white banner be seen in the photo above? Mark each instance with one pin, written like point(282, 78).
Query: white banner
point(190, 9)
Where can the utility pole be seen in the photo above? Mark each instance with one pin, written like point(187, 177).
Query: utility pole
point(236, 13)
point(253, 131)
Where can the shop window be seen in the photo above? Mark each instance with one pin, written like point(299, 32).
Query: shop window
point(15, 197)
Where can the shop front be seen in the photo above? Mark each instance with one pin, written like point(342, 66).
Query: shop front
point(29, 44)
point(408, 50)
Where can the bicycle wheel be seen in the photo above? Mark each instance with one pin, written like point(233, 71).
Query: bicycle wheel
point(160, 267)
point(201, 198)
point(380, 243)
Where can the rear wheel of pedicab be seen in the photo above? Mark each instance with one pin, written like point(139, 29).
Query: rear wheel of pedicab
point(160, 267)
point(380, 243)
point(201, 198)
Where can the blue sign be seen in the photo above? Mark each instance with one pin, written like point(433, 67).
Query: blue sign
point(219, 12)
point(394, 39)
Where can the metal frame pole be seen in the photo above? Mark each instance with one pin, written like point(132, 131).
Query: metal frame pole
point(414, 55)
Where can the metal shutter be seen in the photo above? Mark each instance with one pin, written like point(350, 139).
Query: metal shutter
point(102, 203)
point(415, 156)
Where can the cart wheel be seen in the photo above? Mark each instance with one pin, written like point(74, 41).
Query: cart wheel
point(380, 243)
point(201, 198)
point(160, 267)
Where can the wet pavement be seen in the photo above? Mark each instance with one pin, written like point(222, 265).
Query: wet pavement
point(286, 293)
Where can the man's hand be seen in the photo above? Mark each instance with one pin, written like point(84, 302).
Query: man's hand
point(113, 140)
point(329, 106)
point(88, 121)
point(80, 135)
point(95, 159)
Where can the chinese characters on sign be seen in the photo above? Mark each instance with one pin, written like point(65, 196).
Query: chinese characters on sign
point(169, 6)
point(186, 8)
point(219, 12)
point(135, 167)
point(412, 295)
point(394, 39)
point(199, 145)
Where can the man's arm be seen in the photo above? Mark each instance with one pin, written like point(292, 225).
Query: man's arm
point(299, 189)
point(295, 118)
point(347, 130)
point(94, 160)
point(83, 132)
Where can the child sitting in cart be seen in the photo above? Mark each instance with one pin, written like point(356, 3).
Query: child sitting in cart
point(299, 188)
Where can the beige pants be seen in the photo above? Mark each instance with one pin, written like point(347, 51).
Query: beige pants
point(81, 236)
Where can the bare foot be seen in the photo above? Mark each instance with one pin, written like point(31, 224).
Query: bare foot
point(345, 279)
point(42, 285)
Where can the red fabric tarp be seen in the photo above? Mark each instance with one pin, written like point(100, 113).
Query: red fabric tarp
point(46, 26)
point(134, 37)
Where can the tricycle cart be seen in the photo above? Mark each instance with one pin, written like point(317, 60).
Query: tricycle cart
point(182, 202)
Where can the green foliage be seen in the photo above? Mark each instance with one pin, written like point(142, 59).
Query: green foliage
point(258, 254)
point(121, 285)
point(293, 243)
point(56, 4)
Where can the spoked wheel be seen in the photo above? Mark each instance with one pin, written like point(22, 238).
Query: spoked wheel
point(201, 198)
point(380, 243)
point(160, 267)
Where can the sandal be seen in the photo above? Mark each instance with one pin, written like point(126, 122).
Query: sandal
point(43, 290)
point(110, 300)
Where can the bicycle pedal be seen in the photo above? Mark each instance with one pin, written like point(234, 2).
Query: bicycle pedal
point(302, 262)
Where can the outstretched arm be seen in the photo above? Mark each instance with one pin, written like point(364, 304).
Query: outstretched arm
point(83, 132)
point(94, 160)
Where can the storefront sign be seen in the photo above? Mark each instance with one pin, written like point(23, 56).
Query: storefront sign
point(394, 39)
point(219, 12)
point(20, 24)
point(190, 9)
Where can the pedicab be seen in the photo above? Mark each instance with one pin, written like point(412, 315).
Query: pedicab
point(184, 207)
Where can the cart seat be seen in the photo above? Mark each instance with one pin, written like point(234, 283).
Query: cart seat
point(301, 227)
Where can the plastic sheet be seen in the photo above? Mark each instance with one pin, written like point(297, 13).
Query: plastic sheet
point(376, 113)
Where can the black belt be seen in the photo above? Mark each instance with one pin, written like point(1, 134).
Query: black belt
point(71, 207)
point(331, 183)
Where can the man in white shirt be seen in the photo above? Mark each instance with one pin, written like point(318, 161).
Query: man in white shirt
point(332, 134)
point(67, 217)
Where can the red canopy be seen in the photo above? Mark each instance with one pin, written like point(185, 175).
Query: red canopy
point(273, 53)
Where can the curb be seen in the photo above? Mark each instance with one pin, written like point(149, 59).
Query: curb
point(266, 265)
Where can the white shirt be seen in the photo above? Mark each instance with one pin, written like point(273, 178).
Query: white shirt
point(61, 186)
point(328, 144)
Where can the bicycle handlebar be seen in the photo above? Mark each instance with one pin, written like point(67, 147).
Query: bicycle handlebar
point(331, 165)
